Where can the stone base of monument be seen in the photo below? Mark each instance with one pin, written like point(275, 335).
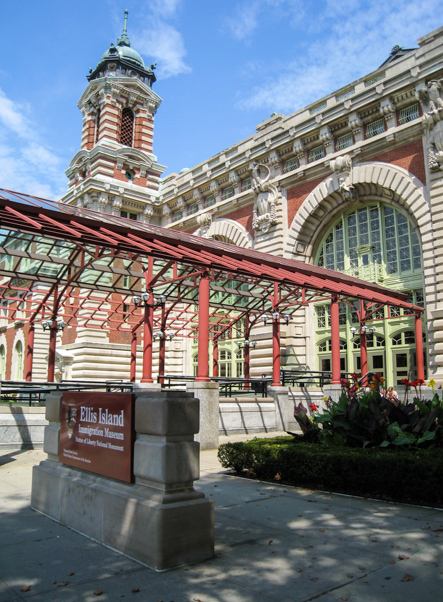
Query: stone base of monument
point(158, 520)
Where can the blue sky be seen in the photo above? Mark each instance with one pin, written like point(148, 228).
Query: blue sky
point(222, 68)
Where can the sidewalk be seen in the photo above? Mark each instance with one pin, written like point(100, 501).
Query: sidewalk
point(272, 543)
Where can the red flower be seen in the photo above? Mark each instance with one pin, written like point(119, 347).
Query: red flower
point(345, 383)
point(313, 407)
point(355, 376)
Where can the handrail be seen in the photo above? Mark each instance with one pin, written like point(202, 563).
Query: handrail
point(36, 391)
point(228, 386)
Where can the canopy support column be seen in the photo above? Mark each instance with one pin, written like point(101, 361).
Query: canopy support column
point(203, 329)
point(161, 359)
point(247, 355)
point(335, 341)
point(52, 346)
point(29, 352)
point(276, 342)
point(419, 347)
point(215, 357)
point(148, 327)
point(363, 347)
point(133, 356)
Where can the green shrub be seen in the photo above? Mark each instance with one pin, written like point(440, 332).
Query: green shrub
point(366, 419)
point(414, 476)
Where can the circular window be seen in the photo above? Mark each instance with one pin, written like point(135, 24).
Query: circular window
point(130, 175)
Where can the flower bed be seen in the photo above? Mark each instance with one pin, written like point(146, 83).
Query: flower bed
point(365, 444)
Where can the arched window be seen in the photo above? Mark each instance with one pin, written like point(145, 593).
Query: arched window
point(18, 360)
point(224, 364)
point(372, 243)
point(240, 363)
point(2, 362)
point(127, 127)
point(97, 125)
point(376, 243)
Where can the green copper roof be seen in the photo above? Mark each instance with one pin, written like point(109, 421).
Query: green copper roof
point(123, 49)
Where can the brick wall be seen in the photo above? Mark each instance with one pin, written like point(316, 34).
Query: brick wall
point(409, 156)
point(297, 195)
point(242, 216)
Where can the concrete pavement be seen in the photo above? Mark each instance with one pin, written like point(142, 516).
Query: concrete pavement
point(272, 543)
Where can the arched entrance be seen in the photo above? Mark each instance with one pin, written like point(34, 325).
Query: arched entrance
point(372, 234)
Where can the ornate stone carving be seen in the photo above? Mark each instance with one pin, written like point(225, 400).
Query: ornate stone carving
point(298, 147)
point(274, 159)
point(116, 205)
point(387, 109)
point(355, 123)
point(432, 105)
point(205, 221)
point(266, 195)
point(234, 178)
point(147, 213)
point(342, 167)
point(214, 187)
point(167, 212)
point(102, 202)
point(326, 136)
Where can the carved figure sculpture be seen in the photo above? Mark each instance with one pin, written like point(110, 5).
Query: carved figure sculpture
point(266, 195)
point(432, 104)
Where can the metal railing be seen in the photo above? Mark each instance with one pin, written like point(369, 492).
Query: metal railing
point(228, 386)
point(33, 392)
point(313, 378)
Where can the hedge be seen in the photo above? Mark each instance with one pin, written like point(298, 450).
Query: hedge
point(391, 474)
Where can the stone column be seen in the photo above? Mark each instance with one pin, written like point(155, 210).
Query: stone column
point(208, 394)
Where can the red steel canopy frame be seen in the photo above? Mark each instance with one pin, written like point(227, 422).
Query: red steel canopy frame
point(83, 267)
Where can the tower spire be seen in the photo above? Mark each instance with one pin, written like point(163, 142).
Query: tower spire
point(123, 40)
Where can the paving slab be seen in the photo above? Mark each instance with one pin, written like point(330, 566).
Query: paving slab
point(272, 542)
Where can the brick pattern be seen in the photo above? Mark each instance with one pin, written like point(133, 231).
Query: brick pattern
point(109, 120)
point(410, 156)
point(297, 195)
point(143, 131)
point(244, 217)
point(88, 134)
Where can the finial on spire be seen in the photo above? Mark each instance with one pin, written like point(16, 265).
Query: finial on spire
point(123, 40)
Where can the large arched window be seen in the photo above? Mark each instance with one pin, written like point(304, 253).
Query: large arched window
point(374, 243)
point(127, 127)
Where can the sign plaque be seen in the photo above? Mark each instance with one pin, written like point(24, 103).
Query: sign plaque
point(96, 433)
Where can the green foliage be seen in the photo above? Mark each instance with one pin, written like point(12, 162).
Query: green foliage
point(398, 473)
point(366, 419)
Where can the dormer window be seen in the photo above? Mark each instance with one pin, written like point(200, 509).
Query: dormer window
point(127, 127)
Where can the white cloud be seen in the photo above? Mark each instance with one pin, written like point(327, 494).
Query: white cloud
point(165, 45)
point(249, 15)
point(161, 41)
point(244, 21)
point(26, 163)
point(351, 43)
point(164, 9)
point(11, 117)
